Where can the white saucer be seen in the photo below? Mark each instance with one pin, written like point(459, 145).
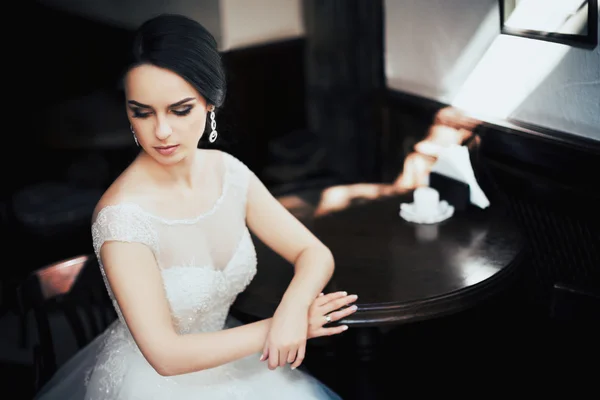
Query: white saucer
point(444, 212)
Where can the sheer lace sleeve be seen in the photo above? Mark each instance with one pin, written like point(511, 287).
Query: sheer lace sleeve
point(123, 223)
point(240, 176)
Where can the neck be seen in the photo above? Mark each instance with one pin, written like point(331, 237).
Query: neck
point(181, 175)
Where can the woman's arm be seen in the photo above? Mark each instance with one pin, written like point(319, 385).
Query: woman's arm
point(313, 263)
point(137, 284)
point(275, 226)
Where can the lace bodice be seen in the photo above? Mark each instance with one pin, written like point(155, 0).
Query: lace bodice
point(205, 261)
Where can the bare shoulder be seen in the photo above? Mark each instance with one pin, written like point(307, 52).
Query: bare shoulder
point(218, 157)
point(217, 160)
point(212, 155)
point(128, 187)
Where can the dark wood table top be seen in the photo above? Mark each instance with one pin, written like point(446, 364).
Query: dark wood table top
point(401, 271)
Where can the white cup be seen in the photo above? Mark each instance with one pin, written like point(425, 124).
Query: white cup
point(426, 201)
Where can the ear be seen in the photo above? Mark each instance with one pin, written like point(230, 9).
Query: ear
point(210, 108)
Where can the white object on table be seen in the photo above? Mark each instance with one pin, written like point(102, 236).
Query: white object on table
point(426, 207)
point(454, 162)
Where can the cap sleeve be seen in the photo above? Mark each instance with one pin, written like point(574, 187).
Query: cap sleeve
point(123, 223)
point(239, 176)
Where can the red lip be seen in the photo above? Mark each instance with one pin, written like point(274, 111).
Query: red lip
point(166, 147)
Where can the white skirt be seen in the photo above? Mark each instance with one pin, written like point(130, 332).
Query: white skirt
point(112, 367)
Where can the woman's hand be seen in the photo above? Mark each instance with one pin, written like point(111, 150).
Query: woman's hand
point(287, 337)
point(328, 308)
point(323, 310)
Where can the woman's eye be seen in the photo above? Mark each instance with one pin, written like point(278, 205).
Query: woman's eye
point(138, 114)
point(182, 111)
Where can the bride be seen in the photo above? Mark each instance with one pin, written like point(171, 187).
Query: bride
point(172, 237)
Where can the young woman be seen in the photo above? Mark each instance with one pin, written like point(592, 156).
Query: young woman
point(172, 237)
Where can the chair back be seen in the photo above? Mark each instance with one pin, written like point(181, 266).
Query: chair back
point(72, 288)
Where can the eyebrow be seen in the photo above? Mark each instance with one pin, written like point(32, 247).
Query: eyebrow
point(180, 102)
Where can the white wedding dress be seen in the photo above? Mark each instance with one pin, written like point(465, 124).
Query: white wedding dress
point(205, 262)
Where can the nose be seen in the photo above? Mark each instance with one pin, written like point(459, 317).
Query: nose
point(163, 129)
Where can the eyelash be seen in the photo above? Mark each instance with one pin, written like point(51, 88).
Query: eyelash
point(182, 113)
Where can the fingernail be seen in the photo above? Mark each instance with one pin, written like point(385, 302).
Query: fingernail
point(345, 327)
point(354, 307)
point(354, 296)
point(321, 294)
point(262, 357)
point(293, 368)
point(344, 293)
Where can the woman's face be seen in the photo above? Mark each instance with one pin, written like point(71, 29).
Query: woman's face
point(167, 114)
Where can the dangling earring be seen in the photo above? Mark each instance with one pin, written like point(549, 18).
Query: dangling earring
point(134, 137)
point(213, 126)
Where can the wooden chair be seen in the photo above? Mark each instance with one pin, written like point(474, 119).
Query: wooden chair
point(74, 289)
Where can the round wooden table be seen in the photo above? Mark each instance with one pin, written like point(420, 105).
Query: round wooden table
point(402, 272)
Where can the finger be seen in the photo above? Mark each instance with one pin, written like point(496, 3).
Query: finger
point(265, 353)
point(329, 297)
point(331, 331)
point(273, 358)
point(321, 300)
point(343, 313)
point(338, 303)
point(283, 356)
point(291, 356)
point(299, 357)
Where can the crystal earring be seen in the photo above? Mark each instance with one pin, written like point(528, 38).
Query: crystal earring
point(134, 137)
point(213, 126)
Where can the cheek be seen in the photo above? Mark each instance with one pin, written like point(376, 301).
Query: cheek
point(194, 125)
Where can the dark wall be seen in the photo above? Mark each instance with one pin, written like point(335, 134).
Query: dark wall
point(549, 186)
point(71, 55)
point(344, 68)
point(265, 99)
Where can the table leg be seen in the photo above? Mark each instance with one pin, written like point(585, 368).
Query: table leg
point(364, 367)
